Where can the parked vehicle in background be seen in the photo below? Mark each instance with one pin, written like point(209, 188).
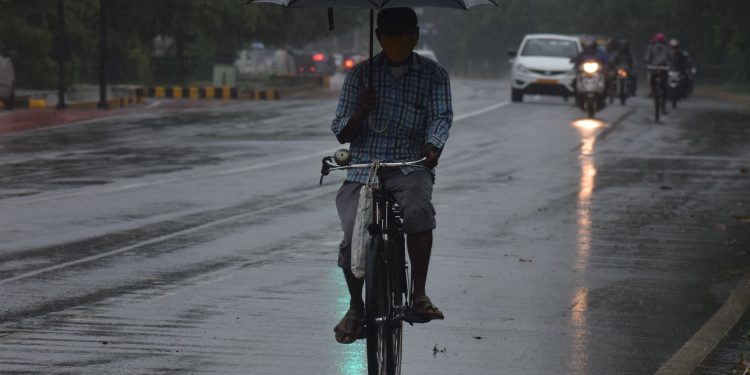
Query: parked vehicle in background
point(428, 53)
point(542, 65)
point(7, 82)
point(264, 61)
point(351, 59)
point(314, 63)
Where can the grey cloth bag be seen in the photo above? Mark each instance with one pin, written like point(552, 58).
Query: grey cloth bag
point(361, 235)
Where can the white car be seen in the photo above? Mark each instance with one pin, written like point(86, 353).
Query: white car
point(543, 65)
point(7, 82)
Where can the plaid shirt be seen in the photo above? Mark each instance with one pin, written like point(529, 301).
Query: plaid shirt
point(413, 110)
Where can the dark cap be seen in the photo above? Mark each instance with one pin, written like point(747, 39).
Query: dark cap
point(397, 21)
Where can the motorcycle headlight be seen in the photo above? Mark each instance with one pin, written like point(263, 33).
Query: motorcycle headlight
point(590, 67)
point(521, 68)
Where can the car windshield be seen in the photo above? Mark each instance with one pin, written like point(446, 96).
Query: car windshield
point(550, 48)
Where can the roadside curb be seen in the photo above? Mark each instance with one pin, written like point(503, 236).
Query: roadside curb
point(703, 342)
point(31, 103)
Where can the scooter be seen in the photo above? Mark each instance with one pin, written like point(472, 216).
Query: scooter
point(590, 85)
point(674, 84)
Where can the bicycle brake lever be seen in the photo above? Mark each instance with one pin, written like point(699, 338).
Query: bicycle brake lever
point(325, 169)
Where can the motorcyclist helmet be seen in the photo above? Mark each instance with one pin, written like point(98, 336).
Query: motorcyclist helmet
point(674, 43)
point(624, 45)
point(659, 38)
point(588, 45)
point(613, 45)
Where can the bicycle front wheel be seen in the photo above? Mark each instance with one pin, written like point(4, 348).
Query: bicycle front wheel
point(384, 330)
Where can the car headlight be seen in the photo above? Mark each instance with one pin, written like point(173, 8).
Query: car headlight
point(590, 67)
point(521, 68)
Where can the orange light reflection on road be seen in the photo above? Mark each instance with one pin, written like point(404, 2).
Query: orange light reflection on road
point(587, 129)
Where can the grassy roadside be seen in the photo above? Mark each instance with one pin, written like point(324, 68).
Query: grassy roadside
point(739, 95)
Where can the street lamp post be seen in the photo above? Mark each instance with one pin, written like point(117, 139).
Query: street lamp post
point(62, 49)
point(102, 56)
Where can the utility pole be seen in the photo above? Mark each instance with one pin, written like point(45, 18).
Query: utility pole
point(102, 56)
point(62, 54)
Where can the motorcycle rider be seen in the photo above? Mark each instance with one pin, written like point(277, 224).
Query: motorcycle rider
point(624, 59)
point(679, 64)
point(657, 54)
point(590, 51)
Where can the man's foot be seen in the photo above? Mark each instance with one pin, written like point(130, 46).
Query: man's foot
point(350, 328)
point(423, 311)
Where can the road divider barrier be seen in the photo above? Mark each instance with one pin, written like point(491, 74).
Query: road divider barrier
point(207, 92)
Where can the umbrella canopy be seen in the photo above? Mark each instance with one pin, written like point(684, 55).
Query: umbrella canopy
point(373, 5)
point(378, 4)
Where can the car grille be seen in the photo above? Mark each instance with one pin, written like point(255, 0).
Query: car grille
point(549, 72)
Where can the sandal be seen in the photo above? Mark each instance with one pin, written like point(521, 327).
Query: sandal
point(423, 311)
point(350, 328)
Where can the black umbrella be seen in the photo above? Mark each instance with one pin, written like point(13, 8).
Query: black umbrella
point(373, 5)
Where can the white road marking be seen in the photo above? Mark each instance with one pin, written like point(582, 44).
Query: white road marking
point(210, 224)
point(165, 237)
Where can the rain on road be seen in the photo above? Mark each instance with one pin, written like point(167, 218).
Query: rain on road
point(196, 240)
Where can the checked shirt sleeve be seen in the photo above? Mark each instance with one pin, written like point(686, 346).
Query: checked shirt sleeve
point(440, 115)
point(347, 101)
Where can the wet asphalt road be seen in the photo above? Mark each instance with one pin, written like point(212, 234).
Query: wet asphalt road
point(196, 239)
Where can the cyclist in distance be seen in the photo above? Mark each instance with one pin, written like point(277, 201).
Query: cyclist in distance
point(658, 54)
point(405, 116)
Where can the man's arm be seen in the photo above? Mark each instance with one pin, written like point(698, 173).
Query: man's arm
point(365, 105)
point(355, 104)
point(439, 116)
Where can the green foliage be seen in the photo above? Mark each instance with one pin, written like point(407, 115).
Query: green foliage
point(204, 32)
point(212, 31)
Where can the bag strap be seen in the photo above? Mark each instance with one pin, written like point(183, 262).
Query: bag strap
point(372, 178)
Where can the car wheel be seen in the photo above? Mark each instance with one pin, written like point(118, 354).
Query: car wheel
point(516, 95)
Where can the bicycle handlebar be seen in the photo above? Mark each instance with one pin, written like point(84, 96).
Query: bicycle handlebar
point(330, 165)
point(657, 67)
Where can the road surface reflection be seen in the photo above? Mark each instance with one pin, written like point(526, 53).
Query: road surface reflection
point(587, 129)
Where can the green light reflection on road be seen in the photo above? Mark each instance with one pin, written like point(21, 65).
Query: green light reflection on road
point(349, 359)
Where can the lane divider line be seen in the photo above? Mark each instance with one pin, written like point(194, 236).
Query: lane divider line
point(169, 236)
point(138, 185)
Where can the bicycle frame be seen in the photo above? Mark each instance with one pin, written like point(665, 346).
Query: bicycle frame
point(388, 288)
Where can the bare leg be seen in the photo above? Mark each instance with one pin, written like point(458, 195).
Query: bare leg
point(355, 291)
point(420, 248)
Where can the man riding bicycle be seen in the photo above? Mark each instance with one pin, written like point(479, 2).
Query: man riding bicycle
point(407, 117)
point(657, 55)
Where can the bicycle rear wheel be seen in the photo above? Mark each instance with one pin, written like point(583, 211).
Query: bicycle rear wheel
point(384, 330)
point(657, 104)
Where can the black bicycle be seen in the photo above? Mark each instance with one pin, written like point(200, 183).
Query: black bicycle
point(388, 287)
point(657, 84)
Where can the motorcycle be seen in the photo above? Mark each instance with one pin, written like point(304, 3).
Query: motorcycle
point(590, 85)
point(674, 87)
point(623, 85)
